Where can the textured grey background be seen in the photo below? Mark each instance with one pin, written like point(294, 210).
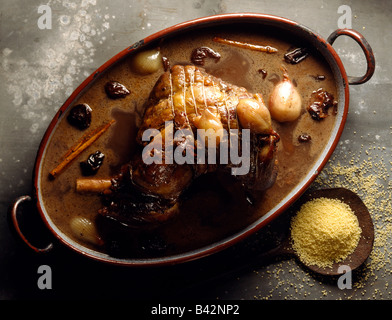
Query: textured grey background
point(40, 68)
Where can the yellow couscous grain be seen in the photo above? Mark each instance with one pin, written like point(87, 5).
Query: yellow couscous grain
point(324, 231)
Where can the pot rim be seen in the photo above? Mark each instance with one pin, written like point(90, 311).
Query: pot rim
point(259, 223)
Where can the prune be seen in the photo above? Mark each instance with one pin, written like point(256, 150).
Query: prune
point(92, 164)
point(321, 102)
point(116, 90)
point(263, 73)
point(296, 56)
point(80, 116)
point(304, 137)
point(199, 54)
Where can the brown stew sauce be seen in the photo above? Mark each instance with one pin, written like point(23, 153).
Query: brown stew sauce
point(209, 211)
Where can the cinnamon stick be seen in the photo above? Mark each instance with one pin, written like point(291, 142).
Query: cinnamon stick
point(86, 141)
point(246, 45)
point(93, 185)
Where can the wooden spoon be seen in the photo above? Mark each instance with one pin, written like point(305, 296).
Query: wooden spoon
point(364, 247)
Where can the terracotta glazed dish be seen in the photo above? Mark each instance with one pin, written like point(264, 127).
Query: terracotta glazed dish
point(123, 174)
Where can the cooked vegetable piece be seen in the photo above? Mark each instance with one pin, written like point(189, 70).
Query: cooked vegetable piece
point(285, 103)
point(254, 115)
point(209, 121)
point(85, 230)
point(147, 62)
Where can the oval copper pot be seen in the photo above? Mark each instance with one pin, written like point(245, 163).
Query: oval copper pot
point(297, 30)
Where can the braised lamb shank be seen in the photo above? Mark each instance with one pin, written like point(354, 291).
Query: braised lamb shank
point(186, 98)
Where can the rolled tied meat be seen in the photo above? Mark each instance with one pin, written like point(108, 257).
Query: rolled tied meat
point(188, 115)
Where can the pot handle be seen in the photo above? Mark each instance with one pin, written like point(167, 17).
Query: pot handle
point(13, 215)
point(367, 50)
